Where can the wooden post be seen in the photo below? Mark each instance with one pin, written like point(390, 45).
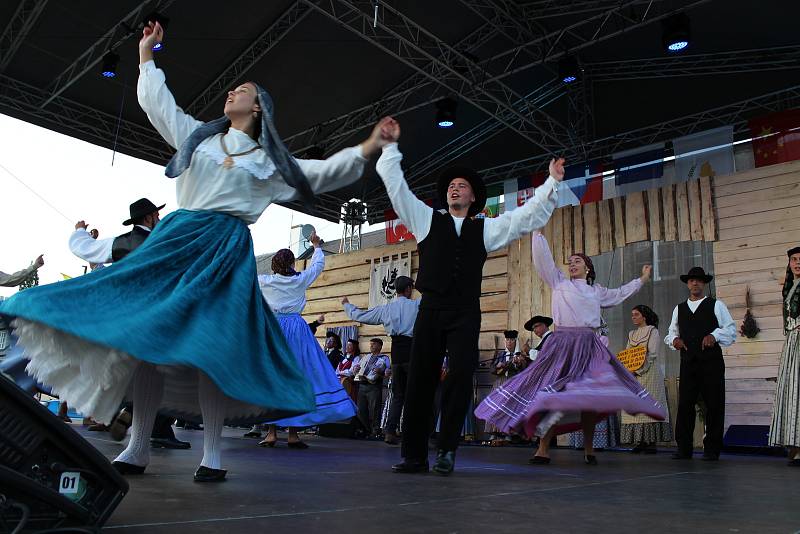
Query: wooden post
point(619, 222)
point(707, 210)
point(591, 232)
point(635, 220)
point(695, 212)
point(682, 212)
point(606, 223)
point(654, 214)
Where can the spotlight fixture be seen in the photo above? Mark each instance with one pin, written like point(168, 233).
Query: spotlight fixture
point(110, 62)
point(155, 16)
point(676, 32)
point(446, 113)
point(568, 69)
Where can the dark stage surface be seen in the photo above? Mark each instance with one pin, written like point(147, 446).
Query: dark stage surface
point(341, 485)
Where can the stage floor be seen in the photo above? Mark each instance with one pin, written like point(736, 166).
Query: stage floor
point(346, 486)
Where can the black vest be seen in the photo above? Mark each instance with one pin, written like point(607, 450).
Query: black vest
point(693, 327)
point(541, 343)
point(127, 243)
point(451, 266)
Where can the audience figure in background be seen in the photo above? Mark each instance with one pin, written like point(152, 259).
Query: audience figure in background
point(333, 348)
point(700, 327)
point(345, 372)
point(15, 279)
point(785, 428)
point(540, 326)
point(505, 364)
point(397, 317)
point(640, 430)
point(285, 292)
point(368, 374)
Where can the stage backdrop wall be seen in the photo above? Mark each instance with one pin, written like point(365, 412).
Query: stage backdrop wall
point(748, 216)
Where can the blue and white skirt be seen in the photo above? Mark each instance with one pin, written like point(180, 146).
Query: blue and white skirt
point(187, 301)
point(332, 401)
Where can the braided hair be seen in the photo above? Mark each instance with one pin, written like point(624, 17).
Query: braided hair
point(283, 263)
point(650, 317)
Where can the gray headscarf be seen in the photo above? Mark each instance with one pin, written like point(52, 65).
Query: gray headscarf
point(269, 140)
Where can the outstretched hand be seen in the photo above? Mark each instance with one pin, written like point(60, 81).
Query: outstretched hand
point(39, 261)
point(345, 300)
point(384, 132)
point(315, 239)
point(151, 34)
point(557, 169)
point(647, 271)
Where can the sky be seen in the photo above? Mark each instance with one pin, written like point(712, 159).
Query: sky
point(49, 181)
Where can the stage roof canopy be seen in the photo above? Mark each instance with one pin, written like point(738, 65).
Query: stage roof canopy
point(333, 69)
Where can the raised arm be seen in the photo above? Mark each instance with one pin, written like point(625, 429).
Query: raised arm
point(84, 246)
point(412, 211)
point(511, 225)
point(612, 297)
point(543, 261)
point(314, 268)
point(155, 98)
point(376, 315)
point(15, 279)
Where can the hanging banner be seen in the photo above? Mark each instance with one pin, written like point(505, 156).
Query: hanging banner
point(708, 153)
point(382, 277)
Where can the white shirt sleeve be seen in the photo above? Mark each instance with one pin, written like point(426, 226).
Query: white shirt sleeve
point(314, 269)
point(533, 215)
point(339, 170)
point(672, 333)
point(89, 249)
point(412, 211)
point(372, 316)
point(15, 279)
point(726, 333)
point(158, 103)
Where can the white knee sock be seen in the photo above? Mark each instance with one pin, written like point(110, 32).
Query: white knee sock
point(212, 408)
point(148, 388)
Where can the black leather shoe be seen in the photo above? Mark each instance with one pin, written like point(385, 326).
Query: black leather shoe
point(681, 456)
point(794, 463)
point(710, 457)
point(297, 444)
point(590, 459)
point(124, 468)
point(445, 462)
point(411, 466)
point(539, 460)
point(206, 474)
point(169, 443)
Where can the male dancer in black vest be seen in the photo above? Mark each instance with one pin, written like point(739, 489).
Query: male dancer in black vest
point(143, 217)
point(700, 327)
point(452, 250)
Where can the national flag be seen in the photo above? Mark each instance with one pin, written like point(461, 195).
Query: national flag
point(706, 153)
point(638, 169)
point(493, 194)
point(510, 194)
point(527, 185)
point(396, 231)
point(776, 137)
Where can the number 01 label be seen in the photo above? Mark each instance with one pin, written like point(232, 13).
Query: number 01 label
point(71, 485)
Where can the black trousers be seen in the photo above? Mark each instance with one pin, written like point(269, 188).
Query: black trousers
point(701, 377)
point(436, 333)
point(401, 353)
point(369, 405)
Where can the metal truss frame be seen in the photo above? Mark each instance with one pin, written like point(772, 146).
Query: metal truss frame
point(18, 28)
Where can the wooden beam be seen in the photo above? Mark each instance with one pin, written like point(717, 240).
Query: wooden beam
point(619, 222)
point(577, 229)
point(591, 230)
point(668, 210)
point(606, 223)
point(695, 211)
point(653, 213)
point(635, 220)
point(682, 212)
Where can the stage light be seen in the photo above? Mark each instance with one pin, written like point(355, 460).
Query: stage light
point(157, 47)
point(676, 32)
point(568, 69)
point(446, 113)
point(110, 62)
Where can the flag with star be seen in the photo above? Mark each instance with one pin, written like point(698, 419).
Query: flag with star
point(776, 137)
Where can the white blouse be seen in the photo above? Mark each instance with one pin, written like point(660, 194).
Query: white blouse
point(287, 294)
point(246, 189)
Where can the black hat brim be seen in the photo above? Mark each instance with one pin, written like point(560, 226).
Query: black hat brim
point(705, 279)
point(792, 251)
point(547, 321)
point(475, 181)
point(129, 222)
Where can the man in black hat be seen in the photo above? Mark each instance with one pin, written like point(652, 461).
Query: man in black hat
point(452, 250)
point(700, 327)
point(398, 318)
point(143, 216)
point(505, 364)
point(540, 326)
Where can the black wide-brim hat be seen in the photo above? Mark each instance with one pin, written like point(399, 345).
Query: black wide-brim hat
point(478, 187)
point(547, 321)
point(792, 251)
point(140, 208)
point(696, 273)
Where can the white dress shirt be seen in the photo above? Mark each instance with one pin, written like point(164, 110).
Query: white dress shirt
point(87, 248)
point(246, 189)
point(397, 316)
point(497, 232)
point(287, 294)
point(725, 334)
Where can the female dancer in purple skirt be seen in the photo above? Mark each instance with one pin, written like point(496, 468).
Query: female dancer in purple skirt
point(575, 380)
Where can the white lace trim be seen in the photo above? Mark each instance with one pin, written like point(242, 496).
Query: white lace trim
point(94, 379)
point(258, 164)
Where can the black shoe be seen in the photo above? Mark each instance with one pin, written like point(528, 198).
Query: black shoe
point(297, 444)
point(681, 456)
point(206, 474)
point(124, 468)
point(650, 449)
point(539, 460)
point(794, 463)
point(253, 434)
point(710, 457)
point(590, 459)
point(445, 462)
point(640, 447)
point(391, 438)
point(169, 443)
point(411, 466)
point(192, 426)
